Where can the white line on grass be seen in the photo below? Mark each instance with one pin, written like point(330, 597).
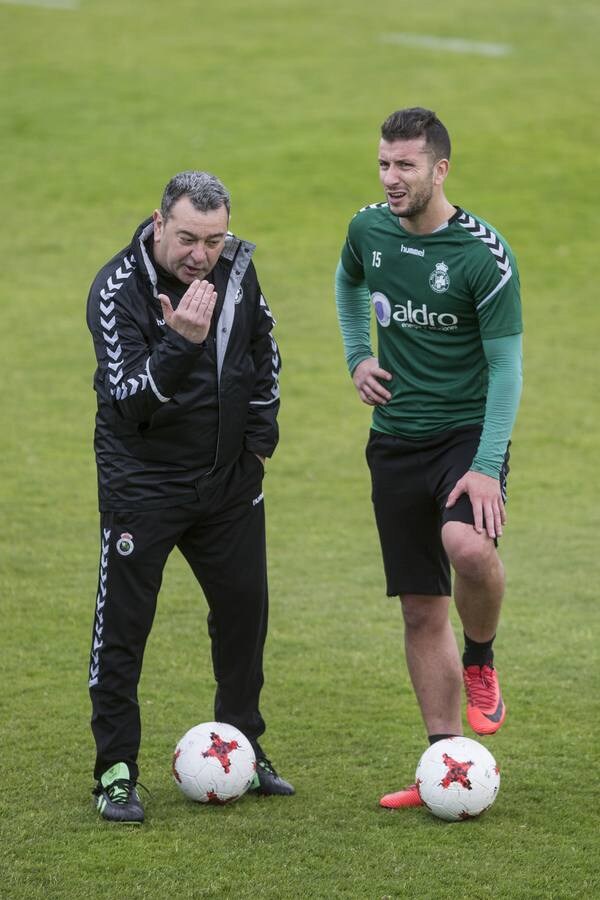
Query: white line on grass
point(48, 4)
point(453, 45)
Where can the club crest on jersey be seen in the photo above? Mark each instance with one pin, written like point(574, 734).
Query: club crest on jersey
point(439, 280)
point(125, 544)
point(383, 308)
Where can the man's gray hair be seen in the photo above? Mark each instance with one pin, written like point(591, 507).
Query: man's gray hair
point(204, 190)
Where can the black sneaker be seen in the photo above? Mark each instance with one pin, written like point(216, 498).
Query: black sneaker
point(118, 799)
point(267, 781)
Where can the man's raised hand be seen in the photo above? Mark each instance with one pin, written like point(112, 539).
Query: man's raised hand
point(193, 315)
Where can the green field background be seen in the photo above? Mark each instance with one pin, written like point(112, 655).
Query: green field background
point(101, 103)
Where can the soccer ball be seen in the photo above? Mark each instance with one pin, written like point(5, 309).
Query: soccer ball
point(457, 778)
point(214, 763)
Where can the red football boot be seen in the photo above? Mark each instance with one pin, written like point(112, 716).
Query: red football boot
point(408, 797)
point(485, 708)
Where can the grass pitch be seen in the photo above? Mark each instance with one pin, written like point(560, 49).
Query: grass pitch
point(102, 103)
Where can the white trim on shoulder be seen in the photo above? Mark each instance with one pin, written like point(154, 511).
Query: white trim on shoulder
point(500, 284)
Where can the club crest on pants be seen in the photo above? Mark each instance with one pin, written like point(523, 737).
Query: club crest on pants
point(125, 544)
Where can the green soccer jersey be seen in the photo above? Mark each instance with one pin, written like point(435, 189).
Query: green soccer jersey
point(435, 296)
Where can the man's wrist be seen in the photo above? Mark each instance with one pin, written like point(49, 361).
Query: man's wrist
point(486, 469)
point(355, 361)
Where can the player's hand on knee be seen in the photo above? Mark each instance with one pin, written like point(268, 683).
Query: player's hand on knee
point(367, 378)
point(486, 500)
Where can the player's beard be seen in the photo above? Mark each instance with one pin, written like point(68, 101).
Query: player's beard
point(417, 203)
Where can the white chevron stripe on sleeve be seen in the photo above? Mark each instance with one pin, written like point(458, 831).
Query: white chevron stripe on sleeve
point(265, 307)
point(108, 321)
point(494, 245)
point(275, 361)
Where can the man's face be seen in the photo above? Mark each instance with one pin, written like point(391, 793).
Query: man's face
point(408, 175)
point(188, 242)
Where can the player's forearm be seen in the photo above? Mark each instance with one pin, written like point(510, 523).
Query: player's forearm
point(504, 357)
point(354, 315)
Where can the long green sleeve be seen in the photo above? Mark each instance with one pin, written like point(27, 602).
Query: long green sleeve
point(504, 357)
point(354, 315)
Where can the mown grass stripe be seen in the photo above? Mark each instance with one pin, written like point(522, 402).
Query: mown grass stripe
point(451, 45)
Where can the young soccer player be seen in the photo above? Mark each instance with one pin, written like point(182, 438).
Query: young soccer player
point(445, 388)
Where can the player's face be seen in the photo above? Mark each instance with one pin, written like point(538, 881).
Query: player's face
point(188, 242)
point(408, 175)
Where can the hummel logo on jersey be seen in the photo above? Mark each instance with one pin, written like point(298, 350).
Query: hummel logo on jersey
point(412, 250)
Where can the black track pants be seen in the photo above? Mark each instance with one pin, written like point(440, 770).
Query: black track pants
point(222, 536)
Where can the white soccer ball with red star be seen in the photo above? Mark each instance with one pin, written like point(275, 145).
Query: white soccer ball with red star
point(457, 778)
point(214, 763)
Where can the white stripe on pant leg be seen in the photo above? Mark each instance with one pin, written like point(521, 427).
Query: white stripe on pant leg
point(99, 617)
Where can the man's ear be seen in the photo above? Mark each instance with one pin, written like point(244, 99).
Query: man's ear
point(440, 171)
point(159, 222)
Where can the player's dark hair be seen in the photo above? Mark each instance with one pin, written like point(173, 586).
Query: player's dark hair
point(416, 122)
point(205, 191)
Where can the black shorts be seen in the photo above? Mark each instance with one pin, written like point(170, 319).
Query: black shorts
point(411, 481)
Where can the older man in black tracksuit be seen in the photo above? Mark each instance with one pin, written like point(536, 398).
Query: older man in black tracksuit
point(187, 389)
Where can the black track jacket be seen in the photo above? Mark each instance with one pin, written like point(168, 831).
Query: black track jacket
point(171, 412)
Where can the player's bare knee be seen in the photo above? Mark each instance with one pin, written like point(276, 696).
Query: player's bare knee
point(470, 553)
point(422, 612)
point(473, 557)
